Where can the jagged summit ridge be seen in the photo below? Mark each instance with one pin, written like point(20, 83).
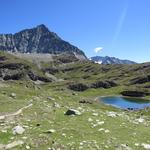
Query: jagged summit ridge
point(37, 40)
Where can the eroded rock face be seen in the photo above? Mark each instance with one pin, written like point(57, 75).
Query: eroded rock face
point(37, 40)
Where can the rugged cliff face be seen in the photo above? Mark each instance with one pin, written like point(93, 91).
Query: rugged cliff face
point(37, 40)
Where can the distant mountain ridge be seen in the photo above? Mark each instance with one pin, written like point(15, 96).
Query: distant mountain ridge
point(110, 60)
point(37, 40)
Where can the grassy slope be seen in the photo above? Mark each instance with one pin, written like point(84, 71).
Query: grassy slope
point(71, 132)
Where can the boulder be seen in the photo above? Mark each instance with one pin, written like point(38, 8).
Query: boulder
point(18, 130)
point(72, 112)
point(50, 98)
point(56, 105)
point(27, 147)
point(13, 95)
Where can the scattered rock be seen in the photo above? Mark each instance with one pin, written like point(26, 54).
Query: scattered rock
point(13, 95)
point(50, 131)
point(27, 147)
point(24, 137)
point(90, 119)
point(72, 112)
point(101, 129)
point(100, 122)
point(140, 120)
point(2, 117)
point(56, 105)
point(2, 146)
point(4, 131)
point(85, 101)
point(107, 131)
point(50, 98)
point(125, 146)
point(136, 144)
point(74, 93)
point(146, 146)
point(95, 114)
point(111, 114)
point(12, 138)
point(14, 144)
point(18, 130)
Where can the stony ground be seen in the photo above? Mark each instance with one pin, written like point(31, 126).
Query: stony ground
point(33, 117)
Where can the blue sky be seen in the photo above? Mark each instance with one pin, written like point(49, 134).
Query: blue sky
point(119, 28)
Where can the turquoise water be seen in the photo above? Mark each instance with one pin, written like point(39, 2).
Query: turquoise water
point(126, 103)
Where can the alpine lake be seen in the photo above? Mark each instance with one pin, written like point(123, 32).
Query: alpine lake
point(129, 103)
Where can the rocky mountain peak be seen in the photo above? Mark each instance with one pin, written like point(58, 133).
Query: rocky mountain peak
point(37, 40)
point(42, 27)
point(110, 60)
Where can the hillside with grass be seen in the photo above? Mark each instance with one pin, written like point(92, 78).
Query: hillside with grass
point(56, 105)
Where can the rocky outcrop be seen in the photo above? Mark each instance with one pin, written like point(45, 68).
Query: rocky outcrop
point(18, 70)
point(78, 87)
point(12, 71)
point(16, 76)
point(134, 93)
point(140, 80)
point(103, 84)
point(35, 77)
point(52, 71)
point(37, 40)
point(99, 84)
point(13, 66)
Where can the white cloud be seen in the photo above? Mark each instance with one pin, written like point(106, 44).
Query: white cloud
point(98, 49)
